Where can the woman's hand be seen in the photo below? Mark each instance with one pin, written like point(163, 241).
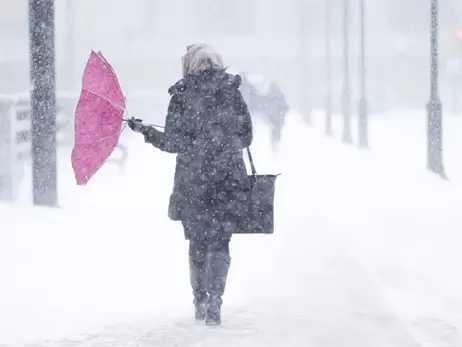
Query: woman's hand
point(135, 124)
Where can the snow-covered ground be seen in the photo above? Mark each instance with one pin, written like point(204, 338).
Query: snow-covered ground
point(398, 139)
point(365, 252)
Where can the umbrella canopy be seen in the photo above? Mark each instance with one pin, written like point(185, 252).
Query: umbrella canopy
point(98, 118)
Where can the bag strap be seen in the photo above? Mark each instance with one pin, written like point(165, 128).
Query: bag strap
point(252, 165)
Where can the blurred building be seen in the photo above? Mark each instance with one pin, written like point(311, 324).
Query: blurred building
point(285, 40)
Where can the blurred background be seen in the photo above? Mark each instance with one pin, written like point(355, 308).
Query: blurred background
point(283, 40)
point(367, 245)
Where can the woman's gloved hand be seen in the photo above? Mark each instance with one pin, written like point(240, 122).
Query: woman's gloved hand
point(135, 124)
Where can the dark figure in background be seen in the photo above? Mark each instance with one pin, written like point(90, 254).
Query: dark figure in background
point(270, 104)
point(207, 126)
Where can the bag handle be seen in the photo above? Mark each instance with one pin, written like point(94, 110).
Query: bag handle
point(252, 165)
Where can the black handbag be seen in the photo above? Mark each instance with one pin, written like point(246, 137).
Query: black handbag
point(258, 218)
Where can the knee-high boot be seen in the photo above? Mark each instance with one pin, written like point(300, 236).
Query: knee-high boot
point(217, 274)
point(198, 278)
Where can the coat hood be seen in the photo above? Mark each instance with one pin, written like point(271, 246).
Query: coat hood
point(211, 81)
point(200, 57)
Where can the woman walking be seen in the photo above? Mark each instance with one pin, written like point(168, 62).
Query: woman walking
point(207, 126)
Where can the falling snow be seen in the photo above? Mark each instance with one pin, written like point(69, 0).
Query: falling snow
point(146, 191)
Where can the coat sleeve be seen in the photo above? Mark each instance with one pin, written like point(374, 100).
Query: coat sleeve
point(246, 130)
point(175, 138)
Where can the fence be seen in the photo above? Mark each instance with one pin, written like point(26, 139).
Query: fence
point(16, 136)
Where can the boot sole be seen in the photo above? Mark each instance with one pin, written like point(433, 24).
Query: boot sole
point(212, 323)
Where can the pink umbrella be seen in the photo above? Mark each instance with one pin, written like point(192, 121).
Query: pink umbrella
point(98, 118)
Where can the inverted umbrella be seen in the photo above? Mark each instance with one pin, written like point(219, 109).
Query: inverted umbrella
point(98, 118)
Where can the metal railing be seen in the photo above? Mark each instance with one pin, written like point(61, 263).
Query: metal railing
point(16, 138)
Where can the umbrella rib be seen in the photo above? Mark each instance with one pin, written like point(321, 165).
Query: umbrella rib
point(104, 138)
point(104, 98)
point(104, 161)
point(95, 141)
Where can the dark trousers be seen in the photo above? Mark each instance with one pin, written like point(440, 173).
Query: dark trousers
point(199, 250)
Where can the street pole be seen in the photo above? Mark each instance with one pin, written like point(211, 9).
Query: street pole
point(43, 101)
point(434, 107)
point(305, 39)
point(346, 95)
point(70, 42)
point(362, 123)
point(328, 73)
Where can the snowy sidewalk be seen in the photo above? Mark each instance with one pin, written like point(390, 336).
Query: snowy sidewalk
point(351, 248)
point(306, 292)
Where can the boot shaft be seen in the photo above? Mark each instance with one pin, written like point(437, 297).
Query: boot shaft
point(217, 273)
point(213, 310)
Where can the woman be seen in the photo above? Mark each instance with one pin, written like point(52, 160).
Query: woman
point(207, 126)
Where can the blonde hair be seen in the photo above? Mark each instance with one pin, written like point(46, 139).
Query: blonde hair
point(200, 57)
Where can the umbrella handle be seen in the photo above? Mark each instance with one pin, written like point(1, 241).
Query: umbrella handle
point(151, 125)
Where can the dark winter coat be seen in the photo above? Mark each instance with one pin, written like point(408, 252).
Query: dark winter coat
point(207, 126)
